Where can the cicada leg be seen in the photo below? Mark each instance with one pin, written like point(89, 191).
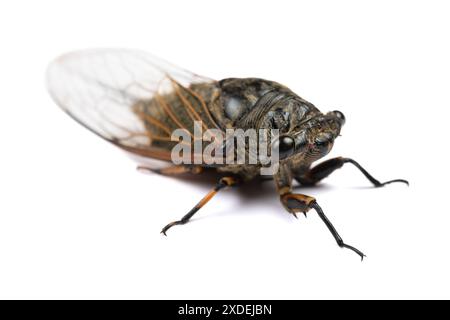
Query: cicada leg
point(325, 168)
point(223, 183)
point(295, 203)
point(302, 203)
point(173, 170)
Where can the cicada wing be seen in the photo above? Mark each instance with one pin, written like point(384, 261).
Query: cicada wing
point(129, 97)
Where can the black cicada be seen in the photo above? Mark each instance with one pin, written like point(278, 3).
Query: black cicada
point(137, 102)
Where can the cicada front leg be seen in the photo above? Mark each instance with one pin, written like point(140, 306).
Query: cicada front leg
point(295, 202)
point(327, 167)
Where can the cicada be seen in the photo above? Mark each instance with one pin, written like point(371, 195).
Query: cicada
point(137, 101)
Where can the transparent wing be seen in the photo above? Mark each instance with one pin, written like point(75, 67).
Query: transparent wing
point(124, 96)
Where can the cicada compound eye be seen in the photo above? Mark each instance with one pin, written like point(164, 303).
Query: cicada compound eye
point(340, 116)
point(286, 147)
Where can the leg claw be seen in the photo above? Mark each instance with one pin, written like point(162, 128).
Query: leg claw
point(170, 225)
point(392, 181)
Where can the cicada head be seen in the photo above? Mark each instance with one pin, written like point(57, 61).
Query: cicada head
point(316, 136)
point(307, 137)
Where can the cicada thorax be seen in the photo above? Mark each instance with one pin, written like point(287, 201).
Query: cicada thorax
point(258, 103)
point(245, 101)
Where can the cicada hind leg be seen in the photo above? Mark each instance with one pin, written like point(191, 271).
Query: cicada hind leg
point(223, 183)
point(172, 170)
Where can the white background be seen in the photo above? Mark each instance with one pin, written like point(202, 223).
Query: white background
point(78, 221)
